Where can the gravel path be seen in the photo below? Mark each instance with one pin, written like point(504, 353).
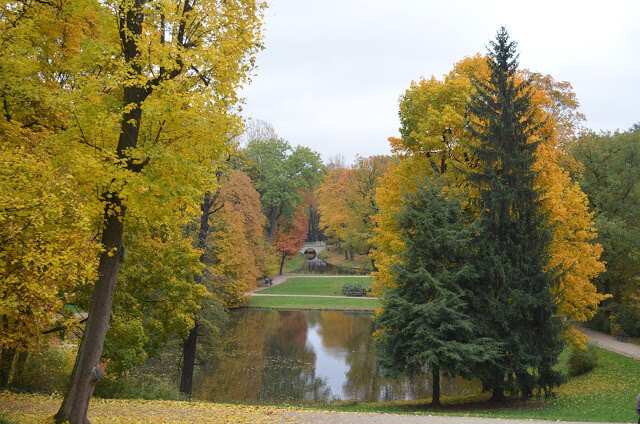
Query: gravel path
point(370, 418)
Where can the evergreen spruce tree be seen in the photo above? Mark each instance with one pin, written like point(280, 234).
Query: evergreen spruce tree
point(511, 297)
point(424, 321)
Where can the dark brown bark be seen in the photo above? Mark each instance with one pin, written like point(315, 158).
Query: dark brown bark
point(189, 360)
point(20, 365)
point(435, 397)
point(190, 344)
point(6, 363)
point(282, 263)
point(86, 373)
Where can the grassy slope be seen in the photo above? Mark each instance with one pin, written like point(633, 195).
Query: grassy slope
point(314, 303)
point(333, 256)
point(605, 394)
point(293, 263)
point(330, 286)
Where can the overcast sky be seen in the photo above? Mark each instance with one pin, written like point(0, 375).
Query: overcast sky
point(332, 70)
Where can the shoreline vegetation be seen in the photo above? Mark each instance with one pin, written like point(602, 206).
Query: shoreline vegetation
point(605, 394)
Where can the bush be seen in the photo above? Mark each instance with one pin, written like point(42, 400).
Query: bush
point(138, 387)
point(48, 371)
point(356, 286)
point(582, 360)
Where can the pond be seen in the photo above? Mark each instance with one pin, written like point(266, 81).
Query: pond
point(305, 356)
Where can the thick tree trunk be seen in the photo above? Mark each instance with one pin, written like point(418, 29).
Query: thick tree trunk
point(435, 397)
point(6, 363)
point(189, 360)
point(86, 372)
point(282, 263)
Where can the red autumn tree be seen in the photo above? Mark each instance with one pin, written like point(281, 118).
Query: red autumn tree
point(289, 237)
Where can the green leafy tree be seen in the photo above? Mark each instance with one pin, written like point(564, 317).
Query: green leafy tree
point(280, 174)
point(512, 295)
point(425, 320)
point(610, 176)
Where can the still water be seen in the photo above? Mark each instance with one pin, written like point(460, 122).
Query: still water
point(305, 356)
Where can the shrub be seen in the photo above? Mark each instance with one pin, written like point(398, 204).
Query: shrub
point(582, 360)
point(356, 286)
point(48, 371)
point(138, 387)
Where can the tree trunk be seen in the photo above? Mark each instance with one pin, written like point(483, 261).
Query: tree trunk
point(19, 367)
point(351, 254)
point(189, 359)
point(86, 372)
point(282, 263)
point(498, 394)
point(190, 344)
point(274, 214)
point(435, 397)
point(373, 265)
point(6, 363)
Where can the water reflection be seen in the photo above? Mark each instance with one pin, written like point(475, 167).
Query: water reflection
point(305, 356)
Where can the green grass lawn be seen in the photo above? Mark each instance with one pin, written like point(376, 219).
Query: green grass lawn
point(607, 393)
point(314, 303)
point(333, 256)
point(330, 286)
point(293, 263)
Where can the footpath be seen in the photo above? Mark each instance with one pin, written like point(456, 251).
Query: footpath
point(370, 418)
point(607, 342)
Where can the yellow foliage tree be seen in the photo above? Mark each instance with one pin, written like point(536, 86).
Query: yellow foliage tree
point(434, 140)
point(135, 101)
point(347, 202)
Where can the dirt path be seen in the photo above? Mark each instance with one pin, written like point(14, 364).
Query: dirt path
point(607, 342)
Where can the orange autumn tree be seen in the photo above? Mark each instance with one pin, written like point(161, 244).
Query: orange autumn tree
point(237, 253)
point(434, 140)
point(347, 203)
point(289, 237)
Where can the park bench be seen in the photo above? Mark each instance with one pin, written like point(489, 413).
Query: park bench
point(355, 292)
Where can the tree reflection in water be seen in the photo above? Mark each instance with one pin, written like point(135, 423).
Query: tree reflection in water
point(300, 356)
